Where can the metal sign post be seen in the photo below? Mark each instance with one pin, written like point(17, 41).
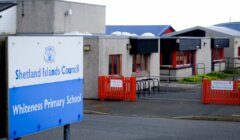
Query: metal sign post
point(66, 132)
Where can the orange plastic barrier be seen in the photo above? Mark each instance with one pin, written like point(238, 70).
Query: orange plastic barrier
point(117, 88)
point(221, 94)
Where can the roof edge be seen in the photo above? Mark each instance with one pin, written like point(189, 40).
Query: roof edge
point(11, 5)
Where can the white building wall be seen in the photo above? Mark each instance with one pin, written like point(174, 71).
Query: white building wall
point(90, 68)
point(8, 21)
point(236, 44)
point(83, 18)
point(229, 52)
point(219, 66)
point(182, 73)
point(154, 64)
point(154, 69)
point(56, 16)
point(114, 46)
point(204, 56)
point(176, 74)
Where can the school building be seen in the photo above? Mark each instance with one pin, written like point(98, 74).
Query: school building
point(119, 56)
point(196, 50)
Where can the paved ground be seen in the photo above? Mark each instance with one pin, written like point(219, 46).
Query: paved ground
point(105, 127)
point(161, 108)
point(173, 101)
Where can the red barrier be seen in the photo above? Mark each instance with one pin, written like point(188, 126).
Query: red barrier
point(227, 93)
point(117, 88)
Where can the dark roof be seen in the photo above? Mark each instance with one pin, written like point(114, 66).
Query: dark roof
point(157, 30)
point(199, 31)
point(231, 25)
point(6, 5)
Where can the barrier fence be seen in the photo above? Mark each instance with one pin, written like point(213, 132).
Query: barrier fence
point(117, 88)
point(220, 92)
point(232, 62)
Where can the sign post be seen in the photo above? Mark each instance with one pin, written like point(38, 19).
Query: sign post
point(66, 132)
point(45, 83)
point(3, 89)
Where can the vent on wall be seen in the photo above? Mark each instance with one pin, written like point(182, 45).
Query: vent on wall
point(68, 12)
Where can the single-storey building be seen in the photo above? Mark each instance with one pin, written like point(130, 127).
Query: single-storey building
point(230, 53)
point(198, 49)
point(119, 56)
point(138, 30)
point(103, 55)
point(8, 17)
point(184, 56)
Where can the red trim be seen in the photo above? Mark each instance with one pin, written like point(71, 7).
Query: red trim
point(217, 53)
point(141, 66)
point(239, 51)
point(194, 63)
point(174, 59)
point(141, 57)
point(183, 57)
point(112, 58)
point(169, 30)
point(190, 57)
point(118, 58)
point(112, 64)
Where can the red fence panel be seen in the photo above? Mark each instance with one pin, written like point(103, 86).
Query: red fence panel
point(220, 92)
point(117, 88)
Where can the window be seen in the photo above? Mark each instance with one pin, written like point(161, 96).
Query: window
point(114, 65)
point(140, 62)
point(165, 58)
point(176, 58)
point(183, 57)
point(218, 54)
point(239, 51)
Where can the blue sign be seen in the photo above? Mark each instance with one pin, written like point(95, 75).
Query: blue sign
point(45, 88)
point(40, 107)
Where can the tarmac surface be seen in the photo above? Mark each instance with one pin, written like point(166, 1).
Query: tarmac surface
point(109, 127)
point(173, 101)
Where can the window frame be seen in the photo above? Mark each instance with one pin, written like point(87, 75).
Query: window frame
point(238, 51)
point(143, 64)
point(183, 58)
point(111, 65)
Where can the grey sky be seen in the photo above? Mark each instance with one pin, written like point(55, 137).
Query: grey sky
point(180, 14)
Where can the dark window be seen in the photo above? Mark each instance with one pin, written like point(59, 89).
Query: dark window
point(239, 51)
point(140, 62)
point(166, 58)
point(114, 65)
